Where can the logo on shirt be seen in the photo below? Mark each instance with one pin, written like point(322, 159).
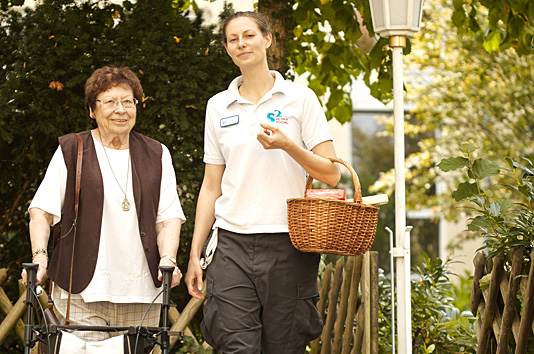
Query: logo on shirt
point(277, 118)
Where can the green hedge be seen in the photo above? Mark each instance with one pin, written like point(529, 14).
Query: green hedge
point(48, 52)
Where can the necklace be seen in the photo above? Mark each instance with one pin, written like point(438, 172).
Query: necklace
point(125, 202)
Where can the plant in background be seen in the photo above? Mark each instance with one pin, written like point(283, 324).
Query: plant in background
point(189, 346)
point(505, 220)
point(438, 326)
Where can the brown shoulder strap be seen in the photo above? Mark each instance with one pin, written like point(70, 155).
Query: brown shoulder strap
point(78, 175)
point(76, 200)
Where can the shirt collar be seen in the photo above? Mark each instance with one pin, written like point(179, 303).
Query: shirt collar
point(233, 89)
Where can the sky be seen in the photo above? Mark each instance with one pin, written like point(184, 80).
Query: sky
point(213, 8)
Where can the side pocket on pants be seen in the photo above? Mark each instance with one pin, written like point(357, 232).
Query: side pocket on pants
point(307, 322)
point(208, 323)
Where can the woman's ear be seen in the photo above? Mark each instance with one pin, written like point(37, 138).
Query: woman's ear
point(268, 40)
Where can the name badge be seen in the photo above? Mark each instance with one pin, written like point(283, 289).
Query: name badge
point(232, 120)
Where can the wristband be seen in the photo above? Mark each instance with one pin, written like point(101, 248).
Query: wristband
point(171, 258)
point(39, 251)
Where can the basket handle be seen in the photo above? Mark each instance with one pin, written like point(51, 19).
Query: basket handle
point(355, 179)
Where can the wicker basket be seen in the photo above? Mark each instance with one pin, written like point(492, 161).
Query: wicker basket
point(324, 225)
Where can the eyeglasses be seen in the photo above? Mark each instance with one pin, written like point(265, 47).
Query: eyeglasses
point(113, 103)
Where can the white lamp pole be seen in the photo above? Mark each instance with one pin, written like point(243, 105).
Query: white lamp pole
point(398, 19)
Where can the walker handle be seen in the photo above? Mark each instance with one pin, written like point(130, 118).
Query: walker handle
point(31, 274)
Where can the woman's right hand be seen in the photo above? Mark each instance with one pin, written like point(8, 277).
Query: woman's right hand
point(42, 261)
point(40, 222)
point(193, 278)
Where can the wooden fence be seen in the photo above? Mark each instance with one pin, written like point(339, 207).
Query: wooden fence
point(501, 314)
point(348, 305)
point(14, 313)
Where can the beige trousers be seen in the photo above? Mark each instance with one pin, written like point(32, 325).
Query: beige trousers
point(104, 313)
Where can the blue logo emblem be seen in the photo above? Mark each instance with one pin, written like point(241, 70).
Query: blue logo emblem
point(272, 116)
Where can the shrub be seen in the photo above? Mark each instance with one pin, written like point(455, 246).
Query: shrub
point(438, 326)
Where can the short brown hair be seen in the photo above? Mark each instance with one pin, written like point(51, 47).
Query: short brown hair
point(105, 78)
point(261, 21)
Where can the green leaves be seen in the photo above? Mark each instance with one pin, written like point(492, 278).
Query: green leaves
point(438, 325)
point(507, 223)
point(325, 46)
point(483, 168)
point(465, 190)
point(498, 24)
point(453, 163)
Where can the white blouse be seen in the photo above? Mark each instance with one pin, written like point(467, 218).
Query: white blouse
point(122, 274)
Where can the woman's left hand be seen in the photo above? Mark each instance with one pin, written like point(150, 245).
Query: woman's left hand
point(176, 274)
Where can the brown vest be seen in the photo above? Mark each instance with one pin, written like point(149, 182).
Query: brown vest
point(146, 177)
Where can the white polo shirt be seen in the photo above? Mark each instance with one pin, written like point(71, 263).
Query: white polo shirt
point(256, 182)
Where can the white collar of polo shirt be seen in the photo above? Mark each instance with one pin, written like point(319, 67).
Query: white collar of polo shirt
point(233, 89)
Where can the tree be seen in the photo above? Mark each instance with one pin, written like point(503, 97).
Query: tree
point(462, 94)
point(497, 25)
point(48, 52)
point(324, 40)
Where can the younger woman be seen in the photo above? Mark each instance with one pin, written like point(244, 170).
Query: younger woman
point(262, 135)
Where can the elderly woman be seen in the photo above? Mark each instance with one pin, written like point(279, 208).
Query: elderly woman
point(129, 215)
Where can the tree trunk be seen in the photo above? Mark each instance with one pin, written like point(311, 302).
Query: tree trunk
point(278, 12)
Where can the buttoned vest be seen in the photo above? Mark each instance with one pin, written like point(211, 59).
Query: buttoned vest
point(145, 156)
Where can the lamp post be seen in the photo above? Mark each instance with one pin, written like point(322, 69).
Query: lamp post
point(398, 19)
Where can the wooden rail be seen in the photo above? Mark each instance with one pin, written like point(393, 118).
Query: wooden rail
point(504, 324)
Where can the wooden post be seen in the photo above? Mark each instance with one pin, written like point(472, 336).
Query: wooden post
point(515, 320)
point(509, 302)
point(6, 306)
point(321, 306)
point(358, 334)
point(12, 317)
point(528, 311)
point(343, 307)
point(491, 302)
point(326, 336)
point(524, 290)
point(325, 289)
point(348, 336)
point(476, 294)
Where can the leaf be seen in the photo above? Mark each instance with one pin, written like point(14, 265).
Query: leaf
point(494, 209)
point(458, 17)
point(465, 190)
point(492, 41)
point(468, 148)
point(483, 168)
point(505, 204)
point(453, 163)
point(297, 31)
point(523, 167)
point(484, 282)
point(480, 223)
